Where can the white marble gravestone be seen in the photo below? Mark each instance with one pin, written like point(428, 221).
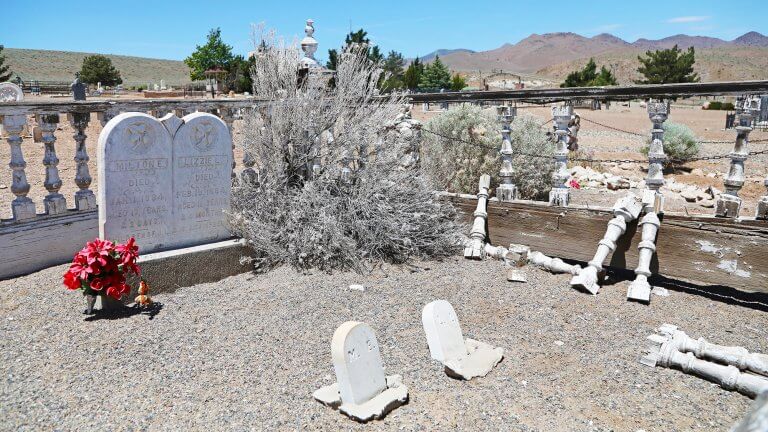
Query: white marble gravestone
point(166, 183)
point(135, 178)
point(202, 155)
point(362, 391)
point(461, 358)
point(441, 326)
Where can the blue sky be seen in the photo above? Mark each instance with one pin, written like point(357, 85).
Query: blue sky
point(171, 29)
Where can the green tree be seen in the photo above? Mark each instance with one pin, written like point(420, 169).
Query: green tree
point(5, 73)
point(412, 75)
point(436, 76)
point(668, 66)
point(393, 67)
point(215, 53)
point(239, 77)
point(589, 77)
point(357, 37)
point(99, 69)
point(458, 82)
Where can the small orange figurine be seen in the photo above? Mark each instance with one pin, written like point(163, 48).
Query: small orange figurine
point(143, 298)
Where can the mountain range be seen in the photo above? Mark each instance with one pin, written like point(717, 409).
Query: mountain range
point(552, 54)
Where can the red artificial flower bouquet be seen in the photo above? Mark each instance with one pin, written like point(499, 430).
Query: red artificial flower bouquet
point(100, 268)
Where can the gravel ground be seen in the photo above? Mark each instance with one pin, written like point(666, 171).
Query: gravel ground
point(246, 353)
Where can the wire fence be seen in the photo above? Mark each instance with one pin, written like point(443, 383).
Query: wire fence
point(676, 161)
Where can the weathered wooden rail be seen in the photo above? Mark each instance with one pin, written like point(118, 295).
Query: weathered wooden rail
point(708, 250)
point(657, 91)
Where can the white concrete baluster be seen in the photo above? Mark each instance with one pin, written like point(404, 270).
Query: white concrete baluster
point(84, 198)
point(475, 247)
point(729, 203)
point(625, 210)
point(653, 200)
point(640, 289)
point(560, 194)
point(55, 203)
point(22, 206)
point(228, 115)
point(507, 191)
point(105, 116)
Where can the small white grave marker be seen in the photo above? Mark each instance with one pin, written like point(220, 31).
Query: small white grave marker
point(462, 359)
point(362, 391)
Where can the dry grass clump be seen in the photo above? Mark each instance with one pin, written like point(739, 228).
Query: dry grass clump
point(328, 190)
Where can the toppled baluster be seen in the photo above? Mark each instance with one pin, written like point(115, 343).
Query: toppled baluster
point(625, 210)
point(640, 289)
point(730, 355)
point(22, 206)
point(475, 248)
point(728, 377)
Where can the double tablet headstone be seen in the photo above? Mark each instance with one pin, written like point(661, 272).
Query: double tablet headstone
point(165, 182)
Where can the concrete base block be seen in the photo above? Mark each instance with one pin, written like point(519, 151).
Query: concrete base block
point(586, 280)
point(639, 290)
point(479, 361)
point(394, 396)
point(55, 204)
point(728, 206)
point(178, 268)
point(85, 200)
point(559, 197)
point(762, 208)
point(506, 193)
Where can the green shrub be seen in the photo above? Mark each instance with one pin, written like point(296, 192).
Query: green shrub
point(728, 106)
point(456, 166)
point(715, 105)
point(679, 142)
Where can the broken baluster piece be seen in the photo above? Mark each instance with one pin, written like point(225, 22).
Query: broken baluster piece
point(728, 377)
point(625, 210)
point(475, 248)
point(554, 265)
point(461, 358)
point(640, 289)
point(729, 355)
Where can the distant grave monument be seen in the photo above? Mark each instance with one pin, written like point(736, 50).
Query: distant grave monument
point(165, 182)
point(10, 92)
point(78, 88)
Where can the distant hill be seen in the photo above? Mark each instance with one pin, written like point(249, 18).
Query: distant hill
point(556, 54)
point(45, 65)
point(442, 53)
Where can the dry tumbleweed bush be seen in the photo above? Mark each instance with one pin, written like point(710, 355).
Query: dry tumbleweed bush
point(327, 190)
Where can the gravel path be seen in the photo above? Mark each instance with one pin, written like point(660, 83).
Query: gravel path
point(246, 354)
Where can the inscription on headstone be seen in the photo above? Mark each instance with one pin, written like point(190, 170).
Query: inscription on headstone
point(135, 178)
point(357, 362)
point(167, 182)
point(201, 178)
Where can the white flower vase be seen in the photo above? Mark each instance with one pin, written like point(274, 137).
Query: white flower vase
point(90, 301)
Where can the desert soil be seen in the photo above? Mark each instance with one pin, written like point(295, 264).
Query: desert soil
point(246, 354)
point(596, 141)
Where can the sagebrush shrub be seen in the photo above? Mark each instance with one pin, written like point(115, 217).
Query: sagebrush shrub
point(456, 166)
point(679, 141)
point(328, 189)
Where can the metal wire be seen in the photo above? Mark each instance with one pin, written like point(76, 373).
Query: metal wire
point(643, 161)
